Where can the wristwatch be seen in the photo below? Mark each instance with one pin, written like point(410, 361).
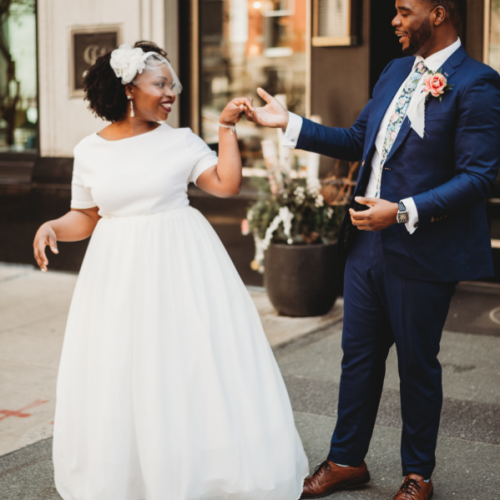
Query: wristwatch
point(402, 216)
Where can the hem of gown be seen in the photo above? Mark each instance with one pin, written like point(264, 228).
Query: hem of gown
point(302, 486)
point(67, 496)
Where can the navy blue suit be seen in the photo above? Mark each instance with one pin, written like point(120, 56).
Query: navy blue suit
point(398, 286)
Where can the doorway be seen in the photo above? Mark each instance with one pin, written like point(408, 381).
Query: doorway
point(384, 44)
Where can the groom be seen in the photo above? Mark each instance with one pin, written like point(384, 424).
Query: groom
point(416, 227)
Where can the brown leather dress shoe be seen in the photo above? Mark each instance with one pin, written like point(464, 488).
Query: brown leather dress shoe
point(329, 477)
point(415, 488)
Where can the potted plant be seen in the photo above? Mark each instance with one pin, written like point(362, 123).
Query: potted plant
point(295, 223)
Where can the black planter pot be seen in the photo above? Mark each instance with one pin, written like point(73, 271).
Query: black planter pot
point(302, 280)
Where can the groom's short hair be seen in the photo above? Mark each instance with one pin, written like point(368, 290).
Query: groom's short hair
point(455, 9)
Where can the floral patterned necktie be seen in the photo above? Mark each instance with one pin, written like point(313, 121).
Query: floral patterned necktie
point(399, 116)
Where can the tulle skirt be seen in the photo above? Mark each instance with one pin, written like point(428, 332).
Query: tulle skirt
point(167, 388)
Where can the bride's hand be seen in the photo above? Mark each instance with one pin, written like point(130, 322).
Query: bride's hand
point(273, 114)
point(232, 113)
point(44, 236)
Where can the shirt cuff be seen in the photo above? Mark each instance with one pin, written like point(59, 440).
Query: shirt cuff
point(292, 133)
point(411, 208)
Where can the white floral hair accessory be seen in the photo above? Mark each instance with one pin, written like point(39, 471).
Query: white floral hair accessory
point(127, 62)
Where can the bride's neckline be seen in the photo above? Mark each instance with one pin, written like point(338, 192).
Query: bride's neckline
point(128, 138)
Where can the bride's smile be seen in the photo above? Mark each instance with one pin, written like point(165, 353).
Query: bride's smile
point(153, 93)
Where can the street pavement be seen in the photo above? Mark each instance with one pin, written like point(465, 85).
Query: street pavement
point(33, 312)
point(469, 443)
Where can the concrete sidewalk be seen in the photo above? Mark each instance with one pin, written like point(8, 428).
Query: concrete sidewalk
point(468, 452)
point(469, 442)
point(33, 312)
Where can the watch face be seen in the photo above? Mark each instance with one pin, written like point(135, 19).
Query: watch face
point(403, 218)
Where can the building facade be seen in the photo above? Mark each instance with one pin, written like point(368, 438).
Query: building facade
point(323, 57)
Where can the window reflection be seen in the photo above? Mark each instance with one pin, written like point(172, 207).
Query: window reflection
point(247, 44)
point(18, 80)
point(493, 58)
point(494, 48)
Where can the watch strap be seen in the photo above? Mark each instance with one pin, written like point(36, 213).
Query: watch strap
point(403, 216)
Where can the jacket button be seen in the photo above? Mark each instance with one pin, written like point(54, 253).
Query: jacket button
point(363, 164)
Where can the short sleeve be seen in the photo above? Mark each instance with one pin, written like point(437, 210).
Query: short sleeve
point(80, 195)
point(204, 157)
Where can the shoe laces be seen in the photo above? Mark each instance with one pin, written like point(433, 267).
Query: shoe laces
point(410, 487)
point(323, 466)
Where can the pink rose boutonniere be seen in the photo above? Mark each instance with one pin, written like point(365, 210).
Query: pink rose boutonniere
point(436, 85)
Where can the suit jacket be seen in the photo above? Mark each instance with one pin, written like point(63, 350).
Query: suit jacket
point(449, 173)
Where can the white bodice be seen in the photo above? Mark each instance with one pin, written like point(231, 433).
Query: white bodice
point(140, 175)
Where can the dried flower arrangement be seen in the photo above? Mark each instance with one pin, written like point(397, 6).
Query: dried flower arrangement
point(297, 209)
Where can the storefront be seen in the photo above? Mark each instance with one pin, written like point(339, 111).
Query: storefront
point(45, 48)
point(322, 57)
point(491, 56)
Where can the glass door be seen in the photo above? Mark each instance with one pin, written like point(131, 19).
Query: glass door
point(245, 44)
point(18, 77)
point(492, 57)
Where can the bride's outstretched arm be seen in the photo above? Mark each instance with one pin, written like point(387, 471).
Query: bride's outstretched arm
point(224, 179)
point(74, 226)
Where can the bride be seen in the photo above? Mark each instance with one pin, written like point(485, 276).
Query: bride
point(167, 386)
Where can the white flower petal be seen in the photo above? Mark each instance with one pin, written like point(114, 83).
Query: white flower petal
point(127, 62)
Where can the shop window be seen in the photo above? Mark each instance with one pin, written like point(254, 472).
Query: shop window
point(245, 44)
point(18, 77)
point(492, 42)
point(492, 57)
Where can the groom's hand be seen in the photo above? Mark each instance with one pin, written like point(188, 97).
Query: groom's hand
point(381, 214)
point(272, 115)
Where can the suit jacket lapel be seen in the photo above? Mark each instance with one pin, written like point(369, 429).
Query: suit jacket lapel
point(448, 69)
point(403, 132)
point(381, 105)
point(455, 60)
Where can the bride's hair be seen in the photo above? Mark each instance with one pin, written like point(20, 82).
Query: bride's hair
point(104, 91)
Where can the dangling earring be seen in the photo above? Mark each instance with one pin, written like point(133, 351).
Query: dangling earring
point(131, 107)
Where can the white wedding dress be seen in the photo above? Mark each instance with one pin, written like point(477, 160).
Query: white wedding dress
point(167, 388)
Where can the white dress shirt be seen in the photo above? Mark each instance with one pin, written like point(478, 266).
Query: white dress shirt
point(433, 63)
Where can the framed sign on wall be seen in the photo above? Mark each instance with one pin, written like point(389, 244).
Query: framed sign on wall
point(86, 45)
point(335, 23)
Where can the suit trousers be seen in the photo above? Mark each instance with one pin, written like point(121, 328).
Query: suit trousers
point(382, 309)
